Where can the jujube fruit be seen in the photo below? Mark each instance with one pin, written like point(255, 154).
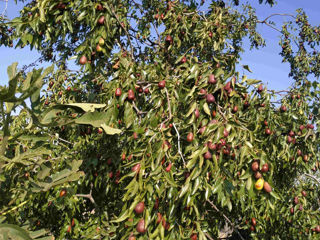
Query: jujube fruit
point(139, 208)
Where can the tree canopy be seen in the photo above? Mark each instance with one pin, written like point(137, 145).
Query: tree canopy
point(156, 135)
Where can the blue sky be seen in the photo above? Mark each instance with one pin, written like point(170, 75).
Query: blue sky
point(265, 63)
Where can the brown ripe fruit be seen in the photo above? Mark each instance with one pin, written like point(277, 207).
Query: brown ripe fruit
point(168, 168)
point(162, 84)
point(69, 229)
point(235, 109)
point(194, 237)
point(130, 94)
point(283, 108)
point(227, 86)
point(252, 228)
point(72, 222)
point(225, 132)
point(159, 218)
point(296, 200)
point(265, 123)
point(255, 166)
point(257, 175)
point(310, 126)
point(184, 59)
point(169, 39)
point(99, 7)
point(291, 133)
point(210, 34)
point(305, 158)
point(139, 208)
point(132, 237)
point(136, 168)
point(141, 226)
point(292, 210)
point(118, 92)
point(63, 192)
point(304, 193)
point(212, 79)
point(289, 139)
point(300, 207)
point(210, 98)
point(317, 228)
point(201, 131)
point(212, 146)
point(265, 168)
point(146, 91)
point(260, 88)
point(299, 152)
point(196, 113)
point(267, 187)
point(301, 127)
point(83, 60)
point(190, 137)
point(101, 20)
point(135, 135)
point(268, 131)
point(207, 155)
point(100, 130)
point(253, 221)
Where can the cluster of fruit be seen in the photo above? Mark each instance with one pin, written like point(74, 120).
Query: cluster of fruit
point(260, 183)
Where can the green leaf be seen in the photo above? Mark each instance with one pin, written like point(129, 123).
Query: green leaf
point(249, 184)
point(206, 109)
point(95, 119)
point(122, 217)
point(10, 231)
point(246, 67)
point(87, 107)
point(110, 130)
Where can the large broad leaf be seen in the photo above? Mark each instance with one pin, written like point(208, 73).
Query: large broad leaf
point(9, 231)
point(87, 107)
point(66, 175)
point(94, 119)
point(7, 94)
point(110, 130)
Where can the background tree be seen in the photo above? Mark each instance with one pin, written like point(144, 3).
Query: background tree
point(157, 136)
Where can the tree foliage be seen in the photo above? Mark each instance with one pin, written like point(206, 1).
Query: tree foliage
point(157, 136)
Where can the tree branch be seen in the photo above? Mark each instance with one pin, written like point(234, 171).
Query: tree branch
point(221, 113)
point(89, 196)
point(276, 14)
point(125, 30)
point(313, 177)
point(226, 218)
point(179, 149)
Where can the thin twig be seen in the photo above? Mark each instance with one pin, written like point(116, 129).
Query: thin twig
point(61, 139)
point(313, 177)
point(221, 113)
point(208, 236)
point(139, 6)
point(276, 14)
point(89, 196)
point(5, 8)
point(179, 148)
point(125, 30)
point(138, 111)
point(226, 218)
